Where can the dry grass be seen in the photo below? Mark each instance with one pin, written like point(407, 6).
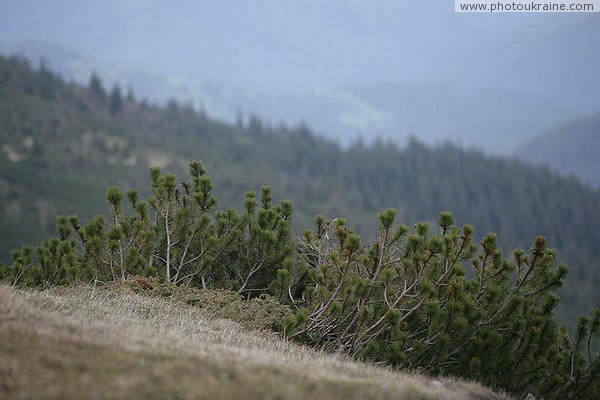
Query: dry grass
point(90, 343)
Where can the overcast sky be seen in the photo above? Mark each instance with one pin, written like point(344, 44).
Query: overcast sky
point(282, 43)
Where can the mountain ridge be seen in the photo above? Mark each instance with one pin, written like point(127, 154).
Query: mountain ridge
point(570, 148)
point(469, 115)
point(70, 147)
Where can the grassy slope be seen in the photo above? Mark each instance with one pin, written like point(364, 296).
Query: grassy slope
point(86, 343)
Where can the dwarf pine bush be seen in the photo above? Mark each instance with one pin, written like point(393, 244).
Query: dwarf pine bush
point(176, 235)
point(423, 298)
point(440, 303)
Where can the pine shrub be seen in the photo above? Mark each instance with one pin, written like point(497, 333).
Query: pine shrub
point(422, 298)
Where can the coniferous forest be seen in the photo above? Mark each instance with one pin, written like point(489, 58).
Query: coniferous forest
point(357, 242)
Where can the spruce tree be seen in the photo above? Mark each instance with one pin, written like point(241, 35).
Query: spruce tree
point(115, 104)
point(96, 87)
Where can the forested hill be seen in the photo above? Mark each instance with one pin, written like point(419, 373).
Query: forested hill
point(62, 144)
point(572, 148)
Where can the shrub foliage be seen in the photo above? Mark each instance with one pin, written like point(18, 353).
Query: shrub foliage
point(440, 303)
point(412, 298)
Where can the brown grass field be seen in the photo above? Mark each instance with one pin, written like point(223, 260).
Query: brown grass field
point(111, 343)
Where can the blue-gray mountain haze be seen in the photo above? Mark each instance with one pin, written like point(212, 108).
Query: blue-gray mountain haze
point(348, 69)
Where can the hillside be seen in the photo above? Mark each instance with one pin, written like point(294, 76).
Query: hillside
point(343, 113)
point(87, 342)
point(63, 143)
point(572, 148)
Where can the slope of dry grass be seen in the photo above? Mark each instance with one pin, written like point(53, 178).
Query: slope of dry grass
point(105, 343)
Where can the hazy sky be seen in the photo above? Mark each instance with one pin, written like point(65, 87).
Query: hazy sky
point(279, 43)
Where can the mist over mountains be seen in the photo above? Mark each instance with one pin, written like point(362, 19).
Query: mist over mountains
point(571, 148)
point(349, 70)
